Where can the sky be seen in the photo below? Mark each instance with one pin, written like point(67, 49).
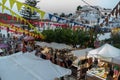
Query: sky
point(69, 6)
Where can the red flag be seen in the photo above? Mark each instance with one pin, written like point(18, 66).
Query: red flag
point(116, 13)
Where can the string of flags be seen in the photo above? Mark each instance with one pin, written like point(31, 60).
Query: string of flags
point(41, 13)
point(19, 5)
point(115, 12)
point(18, 17)
point(13, 28)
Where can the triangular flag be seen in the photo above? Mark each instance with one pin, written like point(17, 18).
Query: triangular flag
point(3, 7)
point(12, 13)
point(50, 16)
point(32, 9)
point(12, 2)
point(42, 14)
point(3, 2)
point(19, 5)
point(58, 19)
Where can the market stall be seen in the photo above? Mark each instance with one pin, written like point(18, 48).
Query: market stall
point(107, 57)
point(79, 66)
point(106, 52)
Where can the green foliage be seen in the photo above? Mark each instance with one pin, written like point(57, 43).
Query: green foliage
point(79, 8)
point(115, 38)
point(68, 36)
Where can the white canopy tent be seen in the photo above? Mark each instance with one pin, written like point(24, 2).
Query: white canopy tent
point(54, 45)
point(80, 54)
point(105, 52)
point(29, 67)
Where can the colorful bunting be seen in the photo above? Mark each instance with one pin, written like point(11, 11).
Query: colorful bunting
point(50, 16)
point(42, 13)
point(3, 2)
point(12, 2)
point(3, 8)
point(58, 19)
point(19, 6)
point(20, 30)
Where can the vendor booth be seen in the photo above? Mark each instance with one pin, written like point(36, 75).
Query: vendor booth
point(79, 66)
point(108, 58)
point(105, 52)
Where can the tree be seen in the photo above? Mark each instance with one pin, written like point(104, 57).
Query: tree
point(79, 8)
point(55, 14)
point(27, 13)
point(70, 14)
point(62, 15)
point(115, 39)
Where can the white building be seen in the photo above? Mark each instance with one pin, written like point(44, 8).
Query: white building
point(91, 15)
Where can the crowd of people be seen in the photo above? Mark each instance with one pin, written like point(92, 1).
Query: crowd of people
point(59, 57)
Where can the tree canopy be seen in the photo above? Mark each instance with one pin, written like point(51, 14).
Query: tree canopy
point(68, 36)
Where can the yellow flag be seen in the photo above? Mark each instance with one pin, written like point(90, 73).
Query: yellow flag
point(3, 7)
point(17, 17)
point(12, 2)
point(3, 2)
point(12, 13)
point(19, 6)
point(31, 8)
point(42, 14)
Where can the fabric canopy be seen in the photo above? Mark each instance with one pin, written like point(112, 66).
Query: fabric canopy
point(54, 45)
point(80, 54)
point(105, 52)
point(29, 67)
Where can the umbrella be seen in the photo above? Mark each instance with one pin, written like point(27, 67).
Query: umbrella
point(3, 45)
